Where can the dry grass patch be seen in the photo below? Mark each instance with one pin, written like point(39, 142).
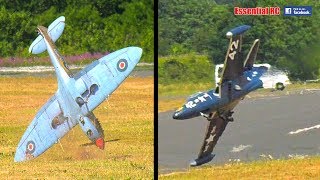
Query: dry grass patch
point(127, 119)
point(276, 169)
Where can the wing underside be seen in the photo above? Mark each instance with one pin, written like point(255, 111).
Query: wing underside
point(106, 75)
point(233, 65)
point(215, 128)
point(47, 128)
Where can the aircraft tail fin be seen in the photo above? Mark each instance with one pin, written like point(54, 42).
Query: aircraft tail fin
point(233, 64)
point(248, 63)
point(55, 30)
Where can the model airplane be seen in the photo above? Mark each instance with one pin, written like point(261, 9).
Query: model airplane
point(77, 95)
point(239, 77)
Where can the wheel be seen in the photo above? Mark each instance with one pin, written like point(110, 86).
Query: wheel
point(279, 86)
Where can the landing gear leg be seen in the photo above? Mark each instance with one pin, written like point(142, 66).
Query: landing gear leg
point(209, 116)
point(227, 116)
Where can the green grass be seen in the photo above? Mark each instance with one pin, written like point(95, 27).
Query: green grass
point(308, 168)
point(183, 89)
point(127, 120)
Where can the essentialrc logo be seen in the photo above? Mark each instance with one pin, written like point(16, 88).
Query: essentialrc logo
point(256, 11)
point(297, 11)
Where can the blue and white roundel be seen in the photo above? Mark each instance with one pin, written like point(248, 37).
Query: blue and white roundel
point(31, 147)
point(122, 65)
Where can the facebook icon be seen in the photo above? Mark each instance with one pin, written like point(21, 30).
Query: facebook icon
point(287, 11)
point(297, 11)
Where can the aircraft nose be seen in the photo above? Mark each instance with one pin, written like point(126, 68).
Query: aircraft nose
point(100, 143)
point(178, 113)
point(135, 54)
point(175, 116)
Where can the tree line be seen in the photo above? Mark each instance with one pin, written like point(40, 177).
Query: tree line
point(290, 43)
point(91, 26)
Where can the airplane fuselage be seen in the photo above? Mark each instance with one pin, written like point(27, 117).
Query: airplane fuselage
point(66, 84)
point(74, 91)
point(204, 103)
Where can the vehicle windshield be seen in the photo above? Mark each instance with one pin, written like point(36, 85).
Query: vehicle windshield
point(273, 71)
point(220, 72)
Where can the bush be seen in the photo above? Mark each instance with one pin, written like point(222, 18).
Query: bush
point(188, 67)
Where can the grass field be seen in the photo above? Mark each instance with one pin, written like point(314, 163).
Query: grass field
point(127, 119)
point(308, 168)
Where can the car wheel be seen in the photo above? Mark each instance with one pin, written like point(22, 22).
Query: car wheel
point(279, 86)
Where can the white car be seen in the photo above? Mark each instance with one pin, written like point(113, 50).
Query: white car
point(273, 78)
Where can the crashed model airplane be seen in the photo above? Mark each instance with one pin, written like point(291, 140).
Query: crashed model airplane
point(77, 95)
point(239, 77)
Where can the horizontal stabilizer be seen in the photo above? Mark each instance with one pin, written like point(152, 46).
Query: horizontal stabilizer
point(55, 30)
point(203, 160)
point(237, 31)
point(252, 54)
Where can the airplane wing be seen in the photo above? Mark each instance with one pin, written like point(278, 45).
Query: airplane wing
point(47, 128)
point(233, 64)
point(106, 74)
point(215, 128)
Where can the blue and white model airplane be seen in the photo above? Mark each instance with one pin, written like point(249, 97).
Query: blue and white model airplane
point(77, 95)
point(239, 78)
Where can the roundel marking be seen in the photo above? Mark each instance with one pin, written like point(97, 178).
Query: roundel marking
point(31, 147)
point(122, 65)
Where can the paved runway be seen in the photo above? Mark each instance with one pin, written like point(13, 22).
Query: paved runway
point(261, 129)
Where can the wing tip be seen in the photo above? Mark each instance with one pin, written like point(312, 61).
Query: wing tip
point(18, 158)
point(237, 30)
point(203, 160)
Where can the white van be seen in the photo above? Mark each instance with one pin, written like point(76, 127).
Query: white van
point(273, 78)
